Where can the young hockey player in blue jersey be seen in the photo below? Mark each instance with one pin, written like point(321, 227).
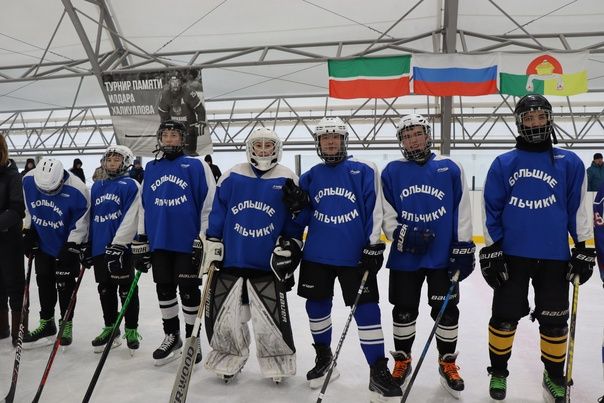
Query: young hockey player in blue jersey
point(427, 216)
point(250, 221)
point(598, 209)
point(534, 199)
point(176, 199)
point(55, 227)
point(341, 202)
point(113, 225)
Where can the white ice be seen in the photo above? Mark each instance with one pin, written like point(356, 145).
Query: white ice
point(135, 379)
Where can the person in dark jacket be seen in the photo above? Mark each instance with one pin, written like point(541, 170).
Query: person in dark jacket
point(29, 165)
point(595, 173)
point(12, 273)
point(215, 170)
point(137, 172)
point(77, 170)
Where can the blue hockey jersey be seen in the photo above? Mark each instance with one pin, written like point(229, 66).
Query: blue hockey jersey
point(113, 212)
point(598, 209)
point(248, 214)
point(534, 200)
point(434, 196)
point(345, 213)
point(176, 200)
point(58, 218)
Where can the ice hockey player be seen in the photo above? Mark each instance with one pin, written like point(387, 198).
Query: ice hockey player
point(598, 209)
point(427, 216)
point(176, 197)
point(341, 202)
point(534, 199)
point(55, 227)
point(250, 221)
point(113, 225)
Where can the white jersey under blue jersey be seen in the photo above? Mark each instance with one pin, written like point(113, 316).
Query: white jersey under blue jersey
point(113, 212)
point(176, 200)
point(248, 215)
point(345, 213)
point(58, 218)
point(430, 196)
point(533, 201)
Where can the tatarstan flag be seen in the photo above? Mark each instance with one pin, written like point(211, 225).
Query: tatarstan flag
point(543, 73)
point(375, 77)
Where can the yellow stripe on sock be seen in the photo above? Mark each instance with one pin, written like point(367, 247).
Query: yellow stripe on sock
point(553, 348)
point(500, 341)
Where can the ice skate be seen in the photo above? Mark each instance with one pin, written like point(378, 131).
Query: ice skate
point(554, 389)
point(99, 342)
point(316, 376)
point(67, 336)
point(169, 350)
point(228, 378)
point(449, 375)
point(402, 368)
point(42, 336)
point(278, 379)
point(381, 384)
point(497, 384)
point(132, 337)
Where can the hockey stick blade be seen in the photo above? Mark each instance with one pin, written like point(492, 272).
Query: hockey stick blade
point(181, 387)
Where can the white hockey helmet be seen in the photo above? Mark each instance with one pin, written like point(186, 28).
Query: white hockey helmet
point(331, 125)
point(49, 176)
point(408, 122)
point(127, 160)
point(260, 136)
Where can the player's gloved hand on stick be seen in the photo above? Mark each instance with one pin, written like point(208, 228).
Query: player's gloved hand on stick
point(462, 259)
point(372, 258)
point(582, 262)
point(30, 241)
point(412, 238)
point(294, 197)
point(86, 255)
point(197, 254)
point(141, 256)
point(114, 260)
point(213, 252)
point(284, 260)
point(69, 255)
point(493, 266)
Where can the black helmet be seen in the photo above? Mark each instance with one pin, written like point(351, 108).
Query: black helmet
point(171, 125)
point(533, 102)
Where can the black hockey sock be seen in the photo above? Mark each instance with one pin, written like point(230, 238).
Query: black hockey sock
point(108, 297)
point(47, 294)
point(132, 312)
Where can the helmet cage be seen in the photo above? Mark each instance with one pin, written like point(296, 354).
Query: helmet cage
point(171, 125)
point(534, 134)
point(409, 122)
point(330, 126)
point(127, 160)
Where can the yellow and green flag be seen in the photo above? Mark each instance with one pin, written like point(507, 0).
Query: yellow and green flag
point(543, 73)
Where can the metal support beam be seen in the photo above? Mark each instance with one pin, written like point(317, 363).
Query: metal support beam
point(449, 46)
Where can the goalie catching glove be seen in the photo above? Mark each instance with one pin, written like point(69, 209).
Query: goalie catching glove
point(285, 258)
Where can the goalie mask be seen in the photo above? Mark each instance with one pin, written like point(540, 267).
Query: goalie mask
point(49, 176)
point(534, 118)
point(263, 148)
point(413, 133)
point(112, 168)
point(331, 140)
point(165, 137)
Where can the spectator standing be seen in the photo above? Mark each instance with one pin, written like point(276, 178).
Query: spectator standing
point(595, 173)
point(77, 170)
point(215, 170)
point(29, 165)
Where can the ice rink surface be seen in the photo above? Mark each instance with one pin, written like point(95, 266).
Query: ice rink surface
point(136, 379)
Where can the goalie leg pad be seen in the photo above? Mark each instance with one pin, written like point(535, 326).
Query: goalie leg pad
point(229, 337)
point(272, 327)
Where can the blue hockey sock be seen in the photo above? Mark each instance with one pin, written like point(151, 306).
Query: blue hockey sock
point(319, 316)
point(368, 321)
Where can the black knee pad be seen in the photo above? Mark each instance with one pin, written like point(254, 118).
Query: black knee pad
point(190, 296)
point(502, 324)
point(402, 314)
point(165, 292)
point(103, 289)
point(553, 331)
point(450, 316)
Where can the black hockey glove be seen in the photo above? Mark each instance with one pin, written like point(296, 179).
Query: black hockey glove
point(413, 239)
point(197, 254)
point(30, 241)
point(69, 256)
point(493, 266)
point(114, 260)
point(141, 257)
point(86, 255)
point(582, 262)
point(372, 258)
point(294, 197)
point(462, 259)
point(284, 260)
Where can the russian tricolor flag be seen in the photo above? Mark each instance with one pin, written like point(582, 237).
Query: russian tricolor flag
point(454, 74)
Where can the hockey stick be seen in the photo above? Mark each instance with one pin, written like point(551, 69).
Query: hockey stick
point(183, 375)
point(454, 282)
point(24, 311)
point(337, 352)
point(55, 347)
point(571, 339)
point(116, 326)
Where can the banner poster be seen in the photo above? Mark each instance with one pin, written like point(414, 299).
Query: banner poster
point(138, 102)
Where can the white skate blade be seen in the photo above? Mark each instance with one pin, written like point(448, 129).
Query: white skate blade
point(227, 378)
point(116, 342)
point(174, 355)
point(43, 342)
point(132, 351)
point(375, 397)
point(318, 382)
point(547, 397)
point(455, 393)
